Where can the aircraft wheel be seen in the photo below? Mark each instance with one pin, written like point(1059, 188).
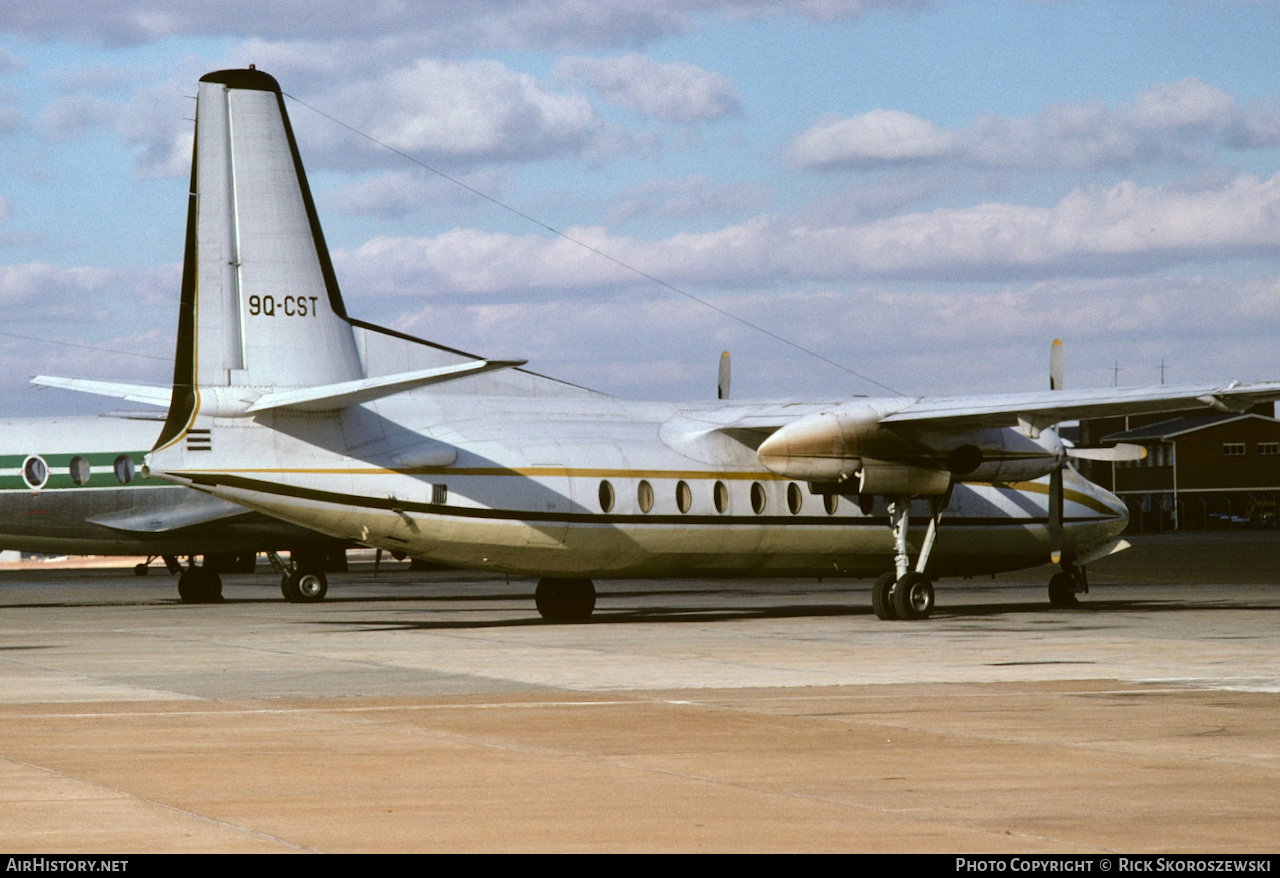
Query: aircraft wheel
point(913, 597)
point(1062, 590)
point(881, 597)
point(199, 586)
point(140, 569)
point(289, 588)
point(310, 586)
point(565, 600)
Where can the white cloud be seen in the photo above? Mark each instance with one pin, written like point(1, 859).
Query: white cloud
point(673, 92)
point(465, 27)
point(1169, 122)
point(1124, 229)
point(872, 137)
point(471, 111)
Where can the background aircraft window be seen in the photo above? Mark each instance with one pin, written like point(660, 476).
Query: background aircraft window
point(757, 497)
point(831, 502)
point(795, 498)
point(684, 497)
point(606, 497)
point(34, 471)
point(79, 470)
point(644, 495)
point(124, 469)
point(721, 495)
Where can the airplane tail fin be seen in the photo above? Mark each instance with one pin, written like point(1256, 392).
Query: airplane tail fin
point(261, 310)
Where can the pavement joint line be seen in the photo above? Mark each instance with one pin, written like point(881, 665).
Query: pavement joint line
point(638, 701)
point(161, 805)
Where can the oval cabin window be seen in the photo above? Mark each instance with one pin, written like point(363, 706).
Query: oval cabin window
point(80, 471)
point(34, 471)
point(644, 496)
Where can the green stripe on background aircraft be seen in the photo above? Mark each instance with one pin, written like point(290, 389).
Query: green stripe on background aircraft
point(374, 436)
point(76, 487)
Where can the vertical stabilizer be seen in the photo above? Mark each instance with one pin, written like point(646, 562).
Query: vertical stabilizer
point(269, 314)
point(261, 310)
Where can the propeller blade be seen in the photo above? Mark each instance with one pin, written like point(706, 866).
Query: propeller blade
point(1055, 365)
point(1055, 516)
point(722, 387)
point(1123, 451)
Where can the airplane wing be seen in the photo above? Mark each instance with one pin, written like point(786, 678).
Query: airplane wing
point(145, 393)
point(920, 446)
point(198, 509)
point(1044, 409)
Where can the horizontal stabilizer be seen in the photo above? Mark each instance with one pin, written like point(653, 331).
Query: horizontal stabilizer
point(198, 509)
point(145, 393)
point(346, 393)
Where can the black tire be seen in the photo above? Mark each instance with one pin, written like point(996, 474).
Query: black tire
point(1062, 590)
point(565, 600)
point(289, 588)
point(199, 586)
point(913, 597)
point(189, 589)
point(141, 570)
point(881, 597)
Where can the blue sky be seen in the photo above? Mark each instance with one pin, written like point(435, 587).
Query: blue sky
point(924, 192)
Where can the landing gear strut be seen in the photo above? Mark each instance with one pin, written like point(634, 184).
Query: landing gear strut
point(565, 600)
point(905, 593)
point(199, 585)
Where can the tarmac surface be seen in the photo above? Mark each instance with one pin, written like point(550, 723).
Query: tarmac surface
point(435, 712)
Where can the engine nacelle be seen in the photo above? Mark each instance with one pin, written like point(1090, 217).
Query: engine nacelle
point(848, 447)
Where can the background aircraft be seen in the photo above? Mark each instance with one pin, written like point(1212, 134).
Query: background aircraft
point(73, 485)
point(371, 435)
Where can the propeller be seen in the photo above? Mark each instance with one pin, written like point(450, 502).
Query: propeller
point(722, 386)
point(1122, 452)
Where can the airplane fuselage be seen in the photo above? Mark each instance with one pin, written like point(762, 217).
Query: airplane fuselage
point(74, 485)
point(594, 486)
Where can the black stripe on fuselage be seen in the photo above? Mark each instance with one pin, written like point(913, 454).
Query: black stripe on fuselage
point(396, 505)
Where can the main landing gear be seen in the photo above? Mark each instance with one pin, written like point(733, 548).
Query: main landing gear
point(199, 585)
point(301, 582)
point(565, 600)
point(906, 593)
point(1064, 586)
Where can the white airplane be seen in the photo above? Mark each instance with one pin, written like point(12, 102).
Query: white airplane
point(72, 485)
point(370, 435)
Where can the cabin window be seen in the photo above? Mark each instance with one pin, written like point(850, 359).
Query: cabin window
point(684, 496)
point(1233, 449)
point(721, 496)
point(606, 496)
point(1269, 449)
point(795, 498)
point(831, 502)
point(79, 469)
point(757, 498)
point(34, 471)
point(644, 496)
point(124, 469)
